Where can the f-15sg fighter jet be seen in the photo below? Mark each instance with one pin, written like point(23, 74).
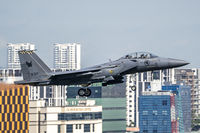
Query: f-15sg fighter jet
point(36, 73)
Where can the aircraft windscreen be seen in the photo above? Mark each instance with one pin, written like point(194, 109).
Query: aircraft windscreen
point(140, 55)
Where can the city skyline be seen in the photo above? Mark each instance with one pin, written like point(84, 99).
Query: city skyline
point(140, 92)
point(52, 65)
point(106, 29)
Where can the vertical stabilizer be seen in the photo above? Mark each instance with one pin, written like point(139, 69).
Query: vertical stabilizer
point(32, 67)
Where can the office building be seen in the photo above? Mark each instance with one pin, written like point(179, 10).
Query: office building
point(14, 109)
point(138, 83)
point(67, 56)
point(156, 113)
point(114, 108)
point(165, 111)
point(112, 99)
point(85, 117)
point(13, 58)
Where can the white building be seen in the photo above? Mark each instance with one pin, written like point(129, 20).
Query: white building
point(138, 83)
point(54, 95)
point(8, 76)
point(13, 58)
point(85, 118)
point(67, 56)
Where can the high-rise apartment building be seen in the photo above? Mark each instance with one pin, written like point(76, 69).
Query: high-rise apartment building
point(190, 77)
point(67, 56)
point(13, 58)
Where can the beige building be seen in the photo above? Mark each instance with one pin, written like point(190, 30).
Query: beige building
point(190, 77)
point(84, 118)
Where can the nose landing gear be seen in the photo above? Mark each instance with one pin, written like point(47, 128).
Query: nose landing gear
point(84, 92)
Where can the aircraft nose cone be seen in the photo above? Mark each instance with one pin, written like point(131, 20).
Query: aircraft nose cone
point(177, 63)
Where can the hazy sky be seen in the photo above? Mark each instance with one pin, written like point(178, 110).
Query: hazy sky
point(107, 29)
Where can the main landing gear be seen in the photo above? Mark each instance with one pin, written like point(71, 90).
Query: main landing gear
point(84, 92)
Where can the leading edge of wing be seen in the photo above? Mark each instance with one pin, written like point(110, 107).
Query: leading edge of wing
point(82, 72)
point(76, 72)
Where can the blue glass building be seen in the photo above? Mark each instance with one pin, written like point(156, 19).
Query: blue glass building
point(154, 112)
point(183, 105)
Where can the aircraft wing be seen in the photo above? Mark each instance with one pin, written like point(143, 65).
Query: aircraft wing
point(88, 72)
point(73, 74)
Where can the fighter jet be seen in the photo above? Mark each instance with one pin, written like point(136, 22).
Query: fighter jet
point(36, 73)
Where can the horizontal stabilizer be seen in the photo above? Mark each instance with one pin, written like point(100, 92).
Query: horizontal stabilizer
point(32, 83)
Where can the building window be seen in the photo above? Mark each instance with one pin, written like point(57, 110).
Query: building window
point(155, 123)
point(78, 126)
point(87, 128)
point(45, 116)
point(164, 112)
point(164, 102)
point(144, 122)
point(164, 122)
point(145, 113)
point(154, 131)
point(20, 125)
point(145, 131)
point(80, 116)
point(155, 112)
point(59, 129)
point(70, 128)
point(93, 127)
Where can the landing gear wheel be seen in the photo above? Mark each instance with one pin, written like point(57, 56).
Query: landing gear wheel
point(133, 88)
point(87, 92)
point(81, 92)
point(84, 92)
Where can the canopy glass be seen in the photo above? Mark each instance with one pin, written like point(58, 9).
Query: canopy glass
point(139, 55)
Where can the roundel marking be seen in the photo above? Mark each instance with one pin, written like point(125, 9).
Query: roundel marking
point(110, 71)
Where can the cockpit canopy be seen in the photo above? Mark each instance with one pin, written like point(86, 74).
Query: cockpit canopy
point(140, 55)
